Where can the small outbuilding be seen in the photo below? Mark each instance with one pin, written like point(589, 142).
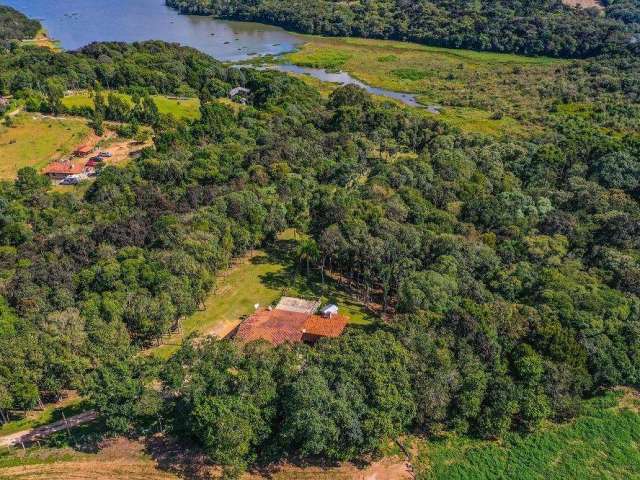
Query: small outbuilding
point(82, 150)
point(329, 311)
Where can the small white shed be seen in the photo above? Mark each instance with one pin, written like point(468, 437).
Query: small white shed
point(329, 310)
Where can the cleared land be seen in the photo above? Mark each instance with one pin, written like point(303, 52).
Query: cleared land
point(260, 277)
point(159, 459)
point(42, 39)
point(471, 86)
point(34, 141)
point(600, 444)
point(188, 108)
point(584, 4)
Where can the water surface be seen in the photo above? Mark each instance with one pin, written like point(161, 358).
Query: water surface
point(343, 78)
point(76, 23)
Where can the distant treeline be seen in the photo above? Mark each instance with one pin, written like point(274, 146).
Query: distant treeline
point(15, 26)
point(538, 27)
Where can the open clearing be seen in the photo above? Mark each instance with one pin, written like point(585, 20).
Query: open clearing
point(602, 443)
point(158, 459)
point(42, 39)
point(260, 277)
point(584, 4)
point(188, 108)
point(34, 141)
point(472, 86)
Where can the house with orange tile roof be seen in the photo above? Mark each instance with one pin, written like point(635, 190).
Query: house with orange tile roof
point(61, 170)
point(293, 320)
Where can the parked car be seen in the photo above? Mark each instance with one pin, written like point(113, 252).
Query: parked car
point(105, 155)
point(70, 180)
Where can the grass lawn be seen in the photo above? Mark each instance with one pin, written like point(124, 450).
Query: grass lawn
point(262, 277)
point(35, 141)
point(180, 108)
point(476, 83)
point(235, 295)
point(603, 443)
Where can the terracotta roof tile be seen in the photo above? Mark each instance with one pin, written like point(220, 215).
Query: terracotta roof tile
point(275, 326)
point(63, 168)
point(325, 326)
point(280, 326)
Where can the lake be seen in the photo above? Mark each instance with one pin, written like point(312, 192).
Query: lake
point(76, 23)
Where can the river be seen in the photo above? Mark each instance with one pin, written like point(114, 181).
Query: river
point(76, 23)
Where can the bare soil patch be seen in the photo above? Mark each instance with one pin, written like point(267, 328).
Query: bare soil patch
point(584, 4)
point(159, 458)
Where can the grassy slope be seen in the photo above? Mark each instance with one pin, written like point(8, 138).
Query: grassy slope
point(603, 443)
point(34, 141)
point(182, 108)
point(472, 85)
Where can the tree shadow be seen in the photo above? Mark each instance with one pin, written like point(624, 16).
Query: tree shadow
point(182, 459)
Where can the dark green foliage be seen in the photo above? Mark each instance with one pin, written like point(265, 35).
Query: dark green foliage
point(507, 270)
point(15, 26)
point(539, 27)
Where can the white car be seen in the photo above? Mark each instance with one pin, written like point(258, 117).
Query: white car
point(70, 180)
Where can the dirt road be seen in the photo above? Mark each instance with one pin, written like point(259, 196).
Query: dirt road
point(29, 436)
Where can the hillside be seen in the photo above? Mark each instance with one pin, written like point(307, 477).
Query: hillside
point(15, 26)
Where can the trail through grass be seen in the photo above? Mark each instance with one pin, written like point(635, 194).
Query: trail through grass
point(50, 414)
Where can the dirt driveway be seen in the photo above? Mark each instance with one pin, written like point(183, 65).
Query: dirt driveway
point(33, 434)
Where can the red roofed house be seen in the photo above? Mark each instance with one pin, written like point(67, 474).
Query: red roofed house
point(82, 151)
point(293, 320)
point(60, 170)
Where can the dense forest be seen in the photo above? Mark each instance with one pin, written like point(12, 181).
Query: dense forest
point(508, 269)
point(538, 27)
point(15, 26)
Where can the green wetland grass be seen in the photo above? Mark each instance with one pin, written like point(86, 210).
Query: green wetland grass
point(602, 443)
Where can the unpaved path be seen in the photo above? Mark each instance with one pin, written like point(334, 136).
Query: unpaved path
point(89, 470)
point(33, 434)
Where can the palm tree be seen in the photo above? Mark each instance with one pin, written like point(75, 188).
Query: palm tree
point(308, 252)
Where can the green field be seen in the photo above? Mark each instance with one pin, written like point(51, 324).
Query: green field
point(472, 85)
point(603, 443)
point(34, 141)
point(188, 108)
